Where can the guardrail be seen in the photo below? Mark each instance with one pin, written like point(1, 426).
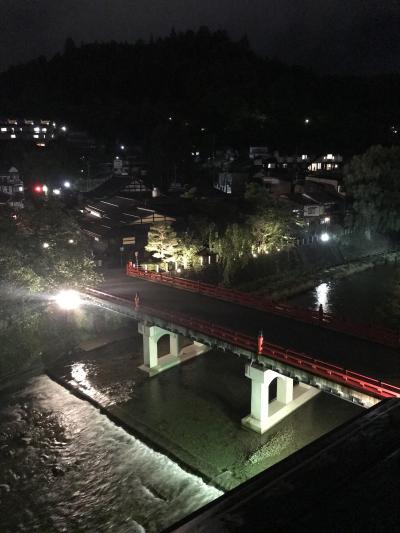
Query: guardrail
point(316, 367)
point(375, 334)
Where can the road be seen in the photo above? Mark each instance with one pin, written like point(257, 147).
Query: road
point(373, 360)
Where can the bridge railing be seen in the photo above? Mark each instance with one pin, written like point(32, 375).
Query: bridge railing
point(376, 334)
point(334, 373)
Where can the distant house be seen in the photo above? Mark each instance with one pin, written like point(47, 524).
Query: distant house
point(17, 129)
point(231, 182)
point(274, 183)
point(318, 206)
point(12, 188)
point(326, 163)
point(333, 183)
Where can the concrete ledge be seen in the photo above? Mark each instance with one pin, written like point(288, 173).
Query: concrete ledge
point(277, 410)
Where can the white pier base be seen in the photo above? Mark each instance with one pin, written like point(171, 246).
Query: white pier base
point(152, 363)
point(264, 414)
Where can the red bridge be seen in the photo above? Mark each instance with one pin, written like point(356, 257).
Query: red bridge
point(333, 353)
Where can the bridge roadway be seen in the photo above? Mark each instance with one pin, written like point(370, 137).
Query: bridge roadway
point(361, 356)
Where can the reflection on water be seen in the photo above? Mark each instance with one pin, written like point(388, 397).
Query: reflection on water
point(371, 296)
point(79, 374)
point(322, 294)
point(66, 467)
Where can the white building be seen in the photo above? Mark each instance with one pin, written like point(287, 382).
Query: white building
point(12, 187)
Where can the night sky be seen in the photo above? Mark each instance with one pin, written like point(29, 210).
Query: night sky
point(335, 36)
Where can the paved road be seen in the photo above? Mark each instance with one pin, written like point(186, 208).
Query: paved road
point(351, 353)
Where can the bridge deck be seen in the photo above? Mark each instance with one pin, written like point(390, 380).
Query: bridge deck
point(364, 357)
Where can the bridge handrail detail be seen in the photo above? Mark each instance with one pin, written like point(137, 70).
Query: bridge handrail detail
point(377, 334)
point(298, 360)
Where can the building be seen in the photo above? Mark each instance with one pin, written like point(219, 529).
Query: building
point(326, 163)
point(12, 188)
point(38, 131)
point(231, 182)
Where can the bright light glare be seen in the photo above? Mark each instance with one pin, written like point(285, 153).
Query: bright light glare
point(322, 294)
point(56, 192)
point(68, 300)
point(71, 241)
point(45, 188)
point(67, 184)
point(122, 147)
point(325, 237)
point(45, 245)
point(64, 128)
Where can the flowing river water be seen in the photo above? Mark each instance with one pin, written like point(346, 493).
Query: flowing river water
point(66, 467)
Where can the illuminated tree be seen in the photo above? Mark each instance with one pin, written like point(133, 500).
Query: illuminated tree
point(187, 251)
point(162, 242)
point(271, 231)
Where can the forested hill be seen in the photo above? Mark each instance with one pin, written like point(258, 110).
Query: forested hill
point(202, 80)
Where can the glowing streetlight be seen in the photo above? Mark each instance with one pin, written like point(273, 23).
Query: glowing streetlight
point(306, 121)
point(71, 241)
point(45, 245)
point(67, 184)
point(122, 147)
point(324, 237)
point(68, 300)
point(45, 189)
point(57, 192)
point(63, 128)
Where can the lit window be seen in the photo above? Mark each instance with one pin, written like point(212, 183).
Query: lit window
point(13, 136)
point(304, 156)
point(36, 136)
point(36, 128)
point(3, 129)
point(329, 156)
point(44, 129)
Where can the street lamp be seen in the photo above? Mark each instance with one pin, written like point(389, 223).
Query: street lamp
point(45, 245)
point(68, 300)
point(67, 184)
point(324, 237)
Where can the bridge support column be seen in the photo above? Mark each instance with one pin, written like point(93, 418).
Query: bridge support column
point(152, 362)
point(265, 414)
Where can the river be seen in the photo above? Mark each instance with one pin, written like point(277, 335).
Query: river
point(66, 467)
point(370, 296)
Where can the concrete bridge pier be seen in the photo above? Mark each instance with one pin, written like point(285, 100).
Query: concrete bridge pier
point(266, 413)
point(178, 351)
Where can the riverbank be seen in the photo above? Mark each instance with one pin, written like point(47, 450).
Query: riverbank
point(192, 412)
